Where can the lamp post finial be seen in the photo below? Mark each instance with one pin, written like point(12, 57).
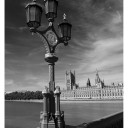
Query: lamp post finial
point(64, 16)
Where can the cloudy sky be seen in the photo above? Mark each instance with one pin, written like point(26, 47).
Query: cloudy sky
point(97, 43)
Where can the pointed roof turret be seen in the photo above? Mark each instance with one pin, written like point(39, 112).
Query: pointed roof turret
point(96, 71)
point(74, 72)
point(66, 72)
point(88, 82)
point(97, 79)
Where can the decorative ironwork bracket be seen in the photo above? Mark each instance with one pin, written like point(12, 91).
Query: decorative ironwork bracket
point(49, 38)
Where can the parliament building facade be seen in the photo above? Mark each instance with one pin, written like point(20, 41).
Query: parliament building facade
point(97, 91)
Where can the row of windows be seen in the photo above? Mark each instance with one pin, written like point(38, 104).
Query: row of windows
point(93, 92)
point(97, 90)
point(92, 95)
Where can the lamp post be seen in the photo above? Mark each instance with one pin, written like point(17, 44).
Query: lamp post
point(50, 40)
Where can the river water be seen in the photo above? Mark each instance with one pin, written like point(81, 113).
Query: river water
point(27, 115)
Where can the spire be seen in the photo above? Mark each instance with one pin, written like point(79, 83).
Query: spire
point(66, 72)
point(74, 77)
point(97, 75)
point(88, 83)
point(97, 79)
point(88, 80)
point(96, 71)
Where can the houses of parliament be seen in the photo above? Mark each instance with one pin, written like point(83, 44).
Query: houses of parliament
point(97, 91)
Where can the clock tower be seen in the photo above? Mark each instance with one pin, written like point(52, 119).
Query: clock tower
point(70, 80)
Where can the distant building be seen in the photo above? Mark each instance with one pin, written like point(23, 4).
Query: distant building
point(97, 91)
point(70, 80)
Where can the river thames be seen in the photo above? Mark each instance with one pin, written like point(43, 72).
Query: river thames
point(27, 114)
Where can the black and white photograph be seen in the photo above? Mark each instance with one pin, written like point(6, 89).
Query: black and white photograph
point(64, 64)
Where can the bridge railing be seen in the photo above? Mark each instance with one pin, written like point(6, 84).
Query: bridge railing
point(114, 121)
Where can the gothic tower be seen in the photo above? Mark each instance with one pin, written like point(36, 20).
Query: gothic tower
point(98, 82)
point(70, 80)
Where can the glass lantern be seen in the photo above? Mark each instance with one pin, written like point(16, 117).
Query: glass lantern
point(33, 15)
point(51, 9)
point(65, 29)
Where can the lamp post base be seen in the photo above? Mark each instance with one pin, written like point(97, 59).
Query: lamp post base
point(59, 121)
point(44, 125)
point(46, 121)
point(43, 120)
point(52, 124)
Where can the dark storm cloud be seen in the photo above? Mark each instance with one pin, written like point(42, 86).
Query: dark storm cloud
point(96, 43)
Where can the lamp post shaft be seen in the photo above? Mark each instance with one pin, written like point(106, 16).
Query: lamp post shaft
point(51, 77)
point(51, 59)
point(51, 88)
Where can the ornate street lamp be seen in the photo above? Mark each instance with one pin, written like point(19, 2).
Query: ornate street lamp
point(50, 40)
